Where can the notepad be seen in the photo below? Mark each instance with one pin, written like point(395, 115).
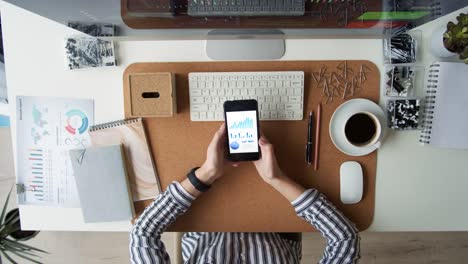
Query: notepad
point(102, 184)
point(142, 175)
point(446, 107)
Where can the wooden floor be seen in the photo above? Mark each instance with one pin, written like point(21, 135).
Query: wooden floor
point(109, 247)
point(106, 248)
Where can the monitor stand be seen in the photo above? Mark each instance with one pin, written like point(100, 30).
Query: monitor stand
point(245, 44)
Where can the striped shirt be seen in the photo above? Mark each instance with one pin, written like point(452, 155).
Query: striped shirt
point(146, 246)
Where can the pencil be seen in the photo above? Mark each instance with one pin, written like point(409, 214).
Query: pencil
point(317, 137)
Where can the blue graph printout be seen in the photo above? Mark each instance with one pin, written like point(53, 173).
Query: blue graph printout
point(242, 131)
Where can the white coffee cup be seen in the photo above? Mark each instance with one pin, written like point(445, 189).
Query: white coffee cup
point(374, 140)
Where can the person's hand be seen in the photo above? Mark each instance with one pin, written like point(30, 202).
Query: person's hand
point(267, 166)
point(213, 167)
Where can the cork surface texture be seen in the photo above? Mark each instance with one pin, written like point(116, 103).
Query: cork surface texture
point(240, 201)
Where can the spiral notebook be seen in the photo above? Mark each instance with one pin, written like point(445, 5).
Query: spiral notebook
point(446, 110)
point(142, 175)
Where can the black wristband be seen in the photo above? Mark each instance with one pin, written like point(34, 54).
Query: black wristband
point(200, 186)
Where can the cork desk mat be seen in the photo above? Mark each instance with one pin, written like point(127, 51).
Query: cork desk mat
point(240, 201)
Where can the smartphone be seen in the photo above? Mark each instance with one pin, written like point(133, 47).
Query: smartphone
point(242, 129)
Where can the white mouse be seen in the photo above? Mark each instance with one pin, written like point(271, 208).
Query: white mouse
point(351, 182)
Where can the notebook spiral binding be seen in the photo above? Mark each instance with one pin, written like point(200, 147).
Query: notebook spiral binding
point(113, 124)
point(431, 91)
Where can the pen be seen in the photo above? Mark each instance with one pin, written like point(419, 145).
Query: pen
point(309, 139)
point(317, 136)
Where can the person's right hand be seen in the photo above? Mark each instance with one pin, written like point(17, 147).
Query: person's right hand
point(267, 166)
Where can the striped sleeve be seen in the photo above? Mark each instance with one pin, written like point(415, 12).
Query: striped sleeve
point(145, 238)
point(343, 241)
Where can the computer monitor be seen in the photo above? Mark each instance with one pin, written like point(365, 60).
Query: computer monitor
point(237, 37)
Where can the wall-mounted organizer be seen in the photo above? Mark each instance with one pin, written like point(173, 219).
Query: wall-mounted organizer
point(150, 95)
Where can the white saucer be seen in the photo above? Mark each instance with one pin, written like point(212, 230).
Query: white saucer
point(343, 113)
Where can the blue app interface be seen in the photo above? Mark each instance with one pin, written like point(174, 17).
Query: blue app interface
point(242, 131)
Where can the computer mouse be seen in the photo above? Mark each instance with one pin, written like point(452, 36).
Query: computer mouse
point(351, 182)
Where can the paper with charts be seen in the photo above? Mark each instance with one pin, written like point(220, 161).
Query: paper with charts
point(47, 128)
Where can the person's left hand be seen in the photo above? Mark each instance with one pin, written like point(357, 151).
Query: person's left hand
point(213, 167)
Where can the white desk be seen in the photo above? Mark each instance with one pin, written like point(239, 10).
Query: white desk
point(418, 188)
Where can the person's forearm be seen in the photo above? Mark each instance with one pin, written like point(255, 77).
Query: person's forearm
point(145, 237)
point(287, 187)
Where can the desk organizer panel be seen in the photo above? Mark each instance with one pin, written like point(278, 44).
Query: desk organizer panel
point(240, 201)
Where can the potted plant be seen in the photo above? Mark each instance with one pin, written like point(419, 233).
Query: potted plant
point(11, 235)
point(453, 39)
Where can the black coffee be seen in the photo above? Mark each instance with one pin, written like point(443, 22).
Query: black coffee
point(360, 129)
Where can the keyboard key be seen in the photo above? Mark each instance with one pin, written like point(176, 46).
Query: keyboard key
point(298, 115)
point(219, 115)
point(210, 115)
point(197, 100)
point(193, 85)
point(296, 83)
point(264, 114)
point(199, 108)
point(293, 107)
point(203, 115)
point(194, 115)
point(195, 92)
point(259, 91)
point(295, 99)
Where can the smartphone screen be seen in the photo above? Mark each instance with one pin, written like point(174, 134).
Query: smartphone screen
point(242, 131)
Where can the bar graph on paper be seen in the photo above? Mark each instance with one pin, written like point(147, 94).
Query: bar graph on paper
point(37, 180)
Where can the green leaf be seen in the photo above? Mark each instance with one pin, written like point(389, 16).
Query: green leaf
point(25, 246)
point(21, 255)
point(5, 206)
point(9, 258)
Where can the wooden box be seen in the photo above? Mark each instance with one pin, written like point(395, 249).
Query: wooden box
point(150, 95)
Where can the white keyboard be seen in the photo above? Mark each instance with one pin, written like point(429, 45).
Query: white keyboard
point(280, 95)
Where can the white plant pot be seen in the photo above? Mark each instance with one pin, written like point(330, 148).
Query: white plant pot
point(437, 44)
